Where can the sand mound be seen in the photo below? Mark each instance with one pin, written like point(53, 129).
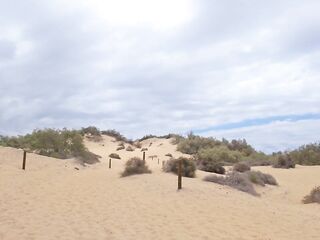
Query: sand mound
point(52, 200)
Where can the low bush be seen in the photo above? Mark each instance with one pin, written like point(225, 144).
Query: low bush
point(284, 161)
point(208, 166)
point(188, 166)
point(135, 166)
point(260, 178)
point(241, 167)
point(130, 149)
point(115, 134)
point(114, 155)
point(168, 155)
point(235, 180)
point(307, 154)
point(137, 144)
point(218, 155)
point(120, 148)
point(313, 197)
point(144, 149)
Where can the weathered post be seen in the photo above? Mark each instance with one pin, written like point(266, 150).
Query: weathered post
point(24, 160)
point(162, 164)
point(158, 161)
point(179, 174)
point(109, 162)
point(144, 156)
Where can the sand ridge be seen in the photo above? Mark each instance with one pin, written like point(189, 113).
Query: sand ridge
point(53, 200)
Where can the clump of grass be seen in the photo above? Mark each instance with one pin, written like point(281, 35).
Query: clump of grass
point(134, 166)
point(209, 166)
point(188, 166)
point(130, 149)
point(144, 149)
point(260, 178)
point(313, 197)
point(235, 180)
point(137, 144)
point(168, 155)
point(114, 155)
point(241, 167)
point(284, 161)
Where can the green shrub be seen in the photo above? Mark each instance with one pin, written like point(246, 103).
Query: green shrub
point(235, 180)
point(137, 144)
point(130, 149)
point(193, 144)
point(135, 166)
point(260, 178)
point(307, 154)
point(144, 149)
point(114, 155)
point(115, 134)
point(188, 166)
point(120, 148)
point(241, 167)
point(218, 155)
point(91, 130)
point(168, 155)
point(313, 197)
point(284, 161)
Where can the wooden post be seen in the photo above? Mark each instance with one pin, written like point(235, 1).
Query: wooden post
point(24, 160)
point(144, 156)
point(158, 161)
point(180, 175)
point(109, 162)
point(162, 164)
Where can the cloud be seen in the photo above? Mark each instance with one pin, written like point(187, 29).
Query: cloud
point(156, 67)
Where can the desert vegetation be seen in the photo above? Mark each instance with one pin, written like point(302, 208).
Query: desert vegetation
point(243, 181)
point(284, 161)
point(168, 155)
point(114, 155)
point(241, 167)
point(188, 166)
point(130, 149)
point(135, 166)
point(313, 197)
point(55, 143)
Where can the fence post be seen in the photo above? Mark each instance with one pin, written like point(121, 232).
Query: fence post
point(144, 156)
point(24, 160)
point(158, 161)
point(180, 175)
point(162, 164)
point(109, 162)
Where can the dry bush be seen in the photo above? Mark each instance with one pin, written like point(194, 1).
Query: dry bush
point(209, 166)
point(313, 197)
point(135, 166)
point(137, 144)
point(114, 155)
point(284, 161)
point(260, 178)
point(188, 166)
point(235, 180)
point(89, 158)
point(144, 149)
point(130, 149)
point(168, 155)
point(120, 148)
point(241, 167)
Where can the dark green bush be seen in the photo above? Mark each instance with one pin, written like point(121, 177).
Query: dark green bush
point(188, 166)
point(130, 149)
point(260, 178)
point(120, 148)
point(144, 149)
point(135, 166)
point(209, 166)
point(114, 155)
point(307, 154)
point(218, 155)
point(168, 155)
point(115, 134)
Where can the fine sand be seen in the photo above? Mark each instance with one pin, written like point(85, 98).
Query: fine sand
point(53, 200)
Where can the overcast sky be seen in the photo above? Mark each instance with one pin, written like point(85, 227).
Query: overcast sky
point(234, 69)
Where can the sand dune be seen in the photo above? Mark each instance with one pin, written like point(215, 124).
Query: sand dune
point(53, 200)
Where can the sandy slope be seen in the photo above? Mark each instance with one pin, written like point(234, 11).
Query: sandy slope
point(52, 200)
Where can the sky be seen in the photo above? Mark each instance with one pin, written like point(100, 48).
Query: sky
point(234, 69)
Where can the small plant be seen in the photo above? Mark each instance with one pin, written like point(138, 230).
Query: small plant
point(114, 155)
point(284, 161)
point(235, 180)
point(137, 144)
point(313, 197)
point(144, 149)
point(168, 155)
point(135, 166)
point(211, 167)
point(120, 148)
point(188, 166)
point(241, 167)
point(260, 178)
point(130, 149)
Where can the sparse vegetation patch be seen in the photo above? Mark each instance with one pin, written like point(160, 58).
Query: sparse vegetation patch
point(135, 166)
